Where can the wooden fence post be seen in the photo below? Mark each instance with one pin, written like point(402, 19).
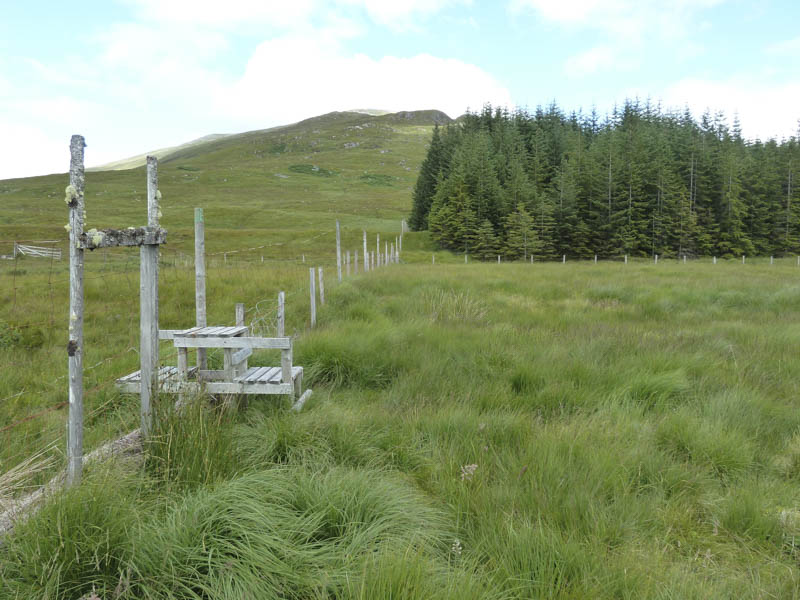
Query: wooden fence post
point(338, 253)
point(465, 259)
point(366, 255)
point(742, 258)
point(656, 259)
point(433, 259)
point(148, 303)
point(356, 263)
point(281, 314)
point(312, 277)
point(378, 250)
point(595, 259)
point(321, 289)
point(626, 259)
point(239, 314)
point(385, 253)
point(563, 258)
point(200, 281)
point(347, 262)
point(75, 201)
point(714, 260)
point(770, 260)
point(498, 259)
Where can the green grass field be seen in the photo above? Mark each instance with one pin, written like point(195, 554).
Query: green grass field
point(492, 431)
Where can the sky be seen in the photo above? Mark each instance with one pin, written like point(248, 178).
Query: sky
point(137, 75)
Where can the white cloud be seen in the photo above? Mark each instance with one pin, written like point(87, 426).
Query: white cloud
point(222, 15)
point(765, 109)
point(595, 59)
point(785, 47)
point(399, 14)
point(294, 77)
point(627, 18)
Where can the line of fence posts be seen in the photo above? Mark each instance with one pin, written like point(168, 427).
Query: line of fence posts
point(370, 259)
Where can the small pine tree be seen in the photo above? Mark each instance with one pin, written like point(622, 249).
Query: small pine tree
point(486, 241)
point(521, 239)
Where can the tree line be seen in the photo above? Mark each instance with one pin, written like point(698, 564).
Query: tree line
point(640, 181)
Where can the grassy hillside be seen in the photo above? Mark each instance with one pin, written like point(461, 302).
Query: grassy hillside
point(263, 187)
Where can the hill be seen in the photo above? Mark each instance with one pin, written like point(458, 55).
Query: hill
point(257, 187)
point(139, 160)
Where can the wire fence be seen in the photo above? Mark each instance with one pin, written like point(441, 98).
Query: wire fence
point(115, 272)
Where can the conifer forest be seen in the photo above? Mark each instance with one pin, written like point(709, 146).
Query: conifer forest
point(641, 181)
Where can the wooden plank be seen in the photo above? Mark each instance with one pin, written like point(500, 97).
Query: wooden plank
point(298, 406)
point(235, 342)
point(241, 355)
point(130, 237)
point(269, 374)
point(168, 334)
point(200, 280)
point(254, 374)
point(75, 201)
point(220, 387)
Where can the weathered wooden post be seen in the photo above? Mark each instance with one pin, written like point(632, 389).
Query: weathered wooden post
point(385, 253)
point(240, 314)
point(378, 250)
point(714, 261)
point(563, 258)
point(366, 256)
point(498, 259)
point(75, 201)
point(684, 259)
point(338, 253)
point(465, 259)
point(433, 259)
point(770, 260)
point(626, 259)
point(347, 262)
point(321, 289)
point(281, 314)
point(148, 302)
point(742, 258)
point(371, 260)
point(312, 277)
point(200, 281)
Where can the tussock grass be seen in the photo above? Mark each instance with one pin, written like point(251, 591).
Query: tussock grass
point(476, 431)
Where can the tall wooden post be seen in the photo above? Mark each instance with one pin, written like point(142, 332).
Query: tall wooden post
point(281, 314)
point(338, 252)
point(313, 292)
point(148, 303)
point(385, 253)
point(366, 256)
point(75, 201)
point(378, 250)
point(321, 288)
point(200, 281)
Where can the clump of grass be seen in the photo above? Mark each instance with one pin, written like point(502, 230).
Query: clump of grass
point(451, 306)
point(281, 533)
point(77, 542)
point(191, 446)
